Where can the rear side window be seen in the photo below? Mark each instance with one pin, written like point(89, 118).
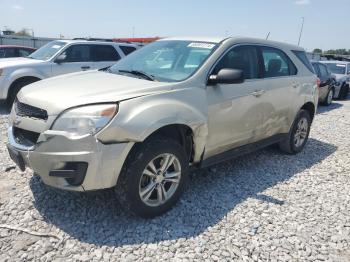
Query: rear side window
point(2, 53)
point(244, 58)
point(102, 53)
point(323, 70)
point(277, 63)
point(9, 52)
point(316, 70)
point(303, 58)
point(127, 49)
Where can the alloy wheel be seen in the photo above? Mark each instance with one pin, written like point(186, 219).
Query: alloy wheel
point(160, 179)
point(301, 132)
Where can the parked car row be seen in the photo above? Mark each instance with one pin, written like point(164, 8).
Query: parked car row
point(140, 125)
point(58, 58)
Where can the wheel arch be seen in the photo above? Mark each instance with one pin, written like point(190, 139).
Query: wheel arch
point(310, 107)
point(181, 133)
point(22, 79)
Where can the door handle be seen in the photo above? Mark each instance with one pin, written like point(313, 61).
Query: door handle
point(85, 67)
point(258, 93)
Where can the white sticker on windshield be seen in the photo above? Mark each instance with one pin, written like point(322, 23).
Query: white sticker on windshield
point(202, 45)
point(340, 65)
point(56, 46)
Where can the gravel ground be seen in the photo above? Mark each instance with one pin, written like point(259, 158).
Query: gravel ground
point(263, 206)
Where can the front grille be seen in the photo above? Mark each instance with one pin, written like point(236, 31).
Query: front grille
point(25, 137)
point(30, 111)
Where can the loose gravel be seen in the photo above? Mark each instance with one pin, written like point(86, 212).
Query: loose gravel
point(264, 206)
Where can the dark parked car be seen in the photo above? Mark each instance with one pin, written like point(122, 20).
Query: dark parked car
point(326, 83)
point(7, 51)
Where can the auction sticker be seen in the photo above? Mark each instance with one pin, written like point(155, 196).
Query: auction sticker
point(201, 45)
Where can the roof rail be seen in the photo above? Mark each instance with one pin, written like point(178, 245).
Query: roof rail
point(93, 39)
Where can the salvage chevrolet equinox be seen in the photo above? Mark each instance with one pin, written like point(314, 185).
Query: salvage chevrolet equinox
point(176, 104)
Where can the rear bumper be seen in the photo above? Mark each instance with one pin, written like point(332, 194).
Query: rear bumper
point(59, 159)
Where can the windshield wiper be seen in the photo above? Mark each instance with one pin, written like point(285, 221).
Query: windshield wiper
point(139, 73)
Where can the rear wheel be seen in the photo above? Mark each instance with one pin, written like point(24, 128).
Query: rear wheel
point(16, 87)
point(153, 178)
point(298, 134)
point(329, 98)
point(343, 94)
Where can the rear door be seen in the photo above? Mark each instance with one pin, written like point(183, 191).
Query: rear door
point(280, 85)
point(77, 58)
point(104, 56)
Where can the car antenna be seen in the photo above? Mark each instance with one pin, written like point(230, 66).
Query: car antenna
point(268, 34)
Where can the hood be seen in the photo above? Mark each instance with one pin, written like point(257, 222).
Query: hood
point(17, 61)
point(59, 93)
point(340, 77)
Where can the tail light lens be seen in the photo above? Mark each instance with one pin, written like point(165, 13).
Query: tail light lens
point(318, 82)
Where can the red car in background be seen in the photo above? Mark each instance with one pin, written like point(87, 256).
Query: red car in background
point(7, 51)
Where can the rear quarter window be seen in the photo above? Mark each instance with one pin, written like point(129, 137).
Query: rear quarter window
point(301, 55)
point(127, 49)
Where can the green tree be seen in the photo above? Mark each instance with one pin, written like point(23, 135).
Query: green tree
point(23, 32)
point(317, 51)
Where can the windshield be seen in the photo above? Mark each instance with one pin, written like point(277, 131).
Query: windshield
point(48, 50)
point(167, 61)
point(336, 68)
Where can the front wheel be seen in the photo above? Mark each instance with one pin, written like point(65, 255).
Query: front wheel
point(153, 177)
point(298, 134)
point(329, 98)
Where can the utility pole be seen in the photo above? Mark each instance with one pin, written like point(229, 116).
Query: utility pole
point(133, 32)
point(301, 29)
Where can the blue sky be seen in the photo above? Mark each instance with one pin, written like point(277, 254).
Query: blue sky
point(327, 23)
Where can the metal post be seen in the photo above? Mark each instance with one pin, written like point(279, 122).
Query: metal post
point(301, 29)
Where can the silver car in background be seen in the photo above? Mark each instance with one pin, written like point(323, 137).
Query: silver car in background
point(341, 71)
point(174, 104)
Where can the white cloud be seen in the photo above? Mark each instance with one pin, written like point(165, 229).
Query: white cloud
point(17, 7)
point(302, 2)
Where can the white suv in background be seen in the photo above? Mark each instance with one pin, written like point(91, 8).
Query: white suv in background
point(58, 58)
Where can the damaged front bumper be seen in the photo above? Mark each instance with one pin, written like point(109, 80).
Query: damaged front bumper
point(70, 162)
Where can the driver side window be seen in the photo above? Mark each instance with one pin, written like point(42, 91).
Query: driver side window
point(77, 53)
point(244, 58)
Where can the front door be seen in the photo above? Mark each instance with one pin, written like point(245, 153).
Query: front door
point(77, 58)
point(234, 110)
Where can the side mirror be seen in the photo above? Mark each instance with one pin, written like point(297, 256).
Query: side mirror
point(61, 59)
point(227, 76)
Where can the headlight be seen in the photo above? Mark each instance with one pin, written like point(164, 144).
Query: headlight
point(85, 120)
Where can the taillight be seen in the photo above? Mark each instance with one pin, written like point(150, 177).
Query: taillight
point(318, 82)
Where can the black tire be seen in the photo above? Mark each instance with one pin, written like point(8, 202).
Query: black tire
point(288, 145)
point(326, 102)
point(343, 94)
point(15, 88)
point(128, 185)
